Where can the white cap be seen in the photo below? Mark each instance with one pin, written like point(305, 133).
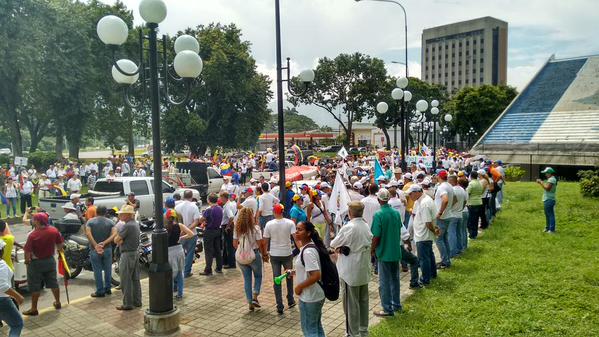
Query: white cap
point(426, 181)
point(381, 178)
point(324, 185)
point(415, 188)
point(358, 185)
point(408, 176)
point(75, 196)
point(383, 194)
point(393, 183)
point(481, 172)
point(70, 206)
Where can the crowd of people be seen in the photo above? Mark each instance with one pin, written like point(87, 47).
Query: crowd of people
point(392, 220)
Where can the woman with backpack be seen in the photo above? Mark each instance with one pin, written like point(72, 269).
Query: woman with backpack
point(307, 275)
point(250, 251)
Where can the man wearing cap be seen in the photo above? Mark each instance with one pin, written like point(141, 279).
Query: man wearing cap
point(371, 204)
point(190, 214)
point(444, 200)
point(74, 184)
point(288, 198)
point(266, 201)
point(39, 249)
point(352, 245)
point(355, 194)
point(278, 234)
point(127, 238)
point(549, 189)
point(132, 201)
point(385, 246)
point(26, 190)
point(297, 213)
point(100, 232)
point(424, 213)
point(407, 178)
point(475, 204)
point(397, 174)
point(70, 212)
point(248, 200)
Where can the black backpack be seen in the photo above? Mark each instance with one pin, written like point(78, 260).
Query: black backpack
point(329, 278)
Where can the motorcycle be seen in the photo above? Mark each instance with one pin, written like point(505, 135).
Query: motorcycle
point(77, 252)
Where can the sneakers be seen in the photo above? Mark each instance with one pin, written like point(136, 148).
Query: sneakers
point(416, 286)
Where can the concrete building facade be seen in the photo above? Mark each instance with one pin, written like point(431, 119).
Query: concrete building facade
point(467, 53)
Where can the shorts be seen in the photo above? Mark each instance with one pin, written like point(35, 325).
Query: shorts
point(41, 271)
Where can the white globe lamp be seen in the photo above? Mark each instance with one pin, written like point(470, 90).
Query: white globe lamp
point(434, 103)
point(448, 118)
point(307, 76)
point(112, 30)
point(407, 96)
point(421, 105)
point(397, 94)
point(434, 110)
point(127, 66)
point(382, 107)
point(188, 64)
point(152, 11)
point(187, 42)
point(402, 82)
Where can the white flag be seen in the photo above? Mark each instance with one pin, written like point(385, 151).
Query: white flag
point(339, 200)
point(343, 152)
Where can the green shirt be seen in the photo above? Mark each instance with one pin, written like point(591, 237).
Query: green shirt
point(475, 193)
point(386, 225)
point(550, 195)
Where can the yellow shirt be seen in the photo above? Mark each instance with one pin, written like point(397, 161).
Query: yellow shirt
point(410, 204)
point(7, 256)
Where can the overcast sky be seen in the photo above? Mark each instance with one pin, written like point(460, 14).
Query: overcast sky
point(315, 28)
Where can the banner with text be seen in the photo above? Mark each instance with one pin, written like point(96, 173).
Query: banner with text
point(426, 160)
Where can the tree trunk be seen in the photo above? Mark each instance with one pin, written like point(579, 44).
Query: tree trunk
point(74, 149)
point(348, 132)
point(387, 138)
point(15, 133)
point(59, 141)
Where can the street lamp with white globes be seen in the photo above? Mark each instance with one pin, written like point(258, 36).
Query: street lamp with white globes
point(162, 317)
point(422, 106)
point(397, 116)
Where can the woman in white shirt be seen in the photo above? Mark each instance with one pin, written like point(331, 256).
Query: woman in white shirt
point(9, 312)
point(307, 274)
point(11, 193)
point(248, 233)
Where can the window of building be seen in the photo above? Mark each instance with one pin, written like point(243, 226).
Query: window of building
point(474, 42)
point(445, 65)
point(482, 60)
point(474, 71)
point(445, 83)
point(460, 63)
point(433, 67)
point(452, 82)
point(453, 64)
point(453, 73)
point(452, 54)
point(460, 54)
point(474, 61)
point(460, 73)
point(445, 74)
point(426, 76)
point(474, 51)
point(426, 68)
point(445, 55)
point(467, 43)
point(467, 52)
point(481, 80)
point(467, 81)
point(433, 58)
point(433, 48)
point(459, 82)
point(433, 76)
point(426, 50)
point(482, 40)
point(482, 50)
point(453, 45)
point(474, 81)
point(481, 69)
point(460, 43)
point(467, 62)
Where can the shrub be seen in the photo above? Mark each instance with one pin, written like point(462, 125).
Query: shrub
point(514, 173)
point(589, 183)
point(5, 159)
point(41, 159)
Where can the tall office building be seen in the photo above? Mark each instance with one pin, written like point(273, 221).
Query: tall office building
point(468, 53)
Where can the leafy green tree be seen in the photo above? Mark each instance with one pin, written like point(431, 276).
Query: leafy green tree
point(478, 107)
point(348, 84)
point(293, 122)
point(231, 102)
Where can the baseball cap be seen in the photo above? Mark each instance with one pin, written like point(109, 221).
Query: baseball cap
point(393, 183)
point(383, 194)
point(442, 174)
point(358, 185)
point(420, 175)
point(408, 176)
point(379, 178)
point(324, 185)
point(426, 181)
point(248, 190)
point(548, 170)
point(397, 170)
point(481, 172)
point(41, 217)
point(170, 202)
point(288, 184)
point(278, 208)
point(461, 174)
point(75, 196)
point(70, 206)
point(415, 188)
point(296, 197)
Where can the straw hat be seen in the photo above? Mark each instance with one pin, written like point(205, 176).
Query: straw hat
point(126, 209)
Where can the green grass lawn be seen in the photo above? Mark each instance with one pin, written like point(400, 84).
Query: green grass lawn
point(516, 280)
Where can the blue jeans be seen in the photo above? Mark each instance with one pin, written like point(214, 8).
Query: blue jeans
point(102, 263)
point(463, 231)
point(189, 246)
point(12, 204)
point(426, 256)
point(178, 283)
point(549, 206)
point(452, 236)
point(412, 260)
point(443, 241)
point(389, 286)
point(11, 315)
point(247, 270)
point(264, 219)
point(311, 318)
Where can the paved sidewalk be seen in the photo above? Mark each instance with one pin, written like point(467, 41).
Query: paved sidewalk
point(212, 306)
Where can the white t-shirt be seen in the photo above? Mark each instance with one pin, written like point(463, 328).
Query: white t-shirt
point(252, 237)
point(250, 203)
point(424, 211)
point(461, 195)
point(267, 201)
point(189, 212)
point(27, 187)
point(229, 212)
point(371, 206)
point(74, 185)
point(279, 232)
point(398, 204)
point(444, 189)
point(269, 157)
point(313, 293)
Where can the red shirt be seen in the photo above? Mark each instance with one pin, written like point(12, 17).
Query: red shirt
point(42, 242)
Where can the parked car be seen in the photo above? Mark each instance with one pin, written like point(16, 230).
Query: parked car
point(5, 151)
point(113, 193)
point(207, 179)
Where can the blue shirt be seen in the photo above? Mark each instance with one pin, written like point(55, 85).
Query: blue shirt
point(298, 214)
point(289, 202)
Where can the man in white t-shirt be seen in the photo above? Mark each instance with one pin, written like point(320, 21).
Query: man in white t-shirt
point(398, 200)
point(191, 218)
point(423, 215)
point(444, 201)
point(265, 204)
point(456, 231)
point(249, 201)
point(74, 184)
point(278, 232)
point(371, 204)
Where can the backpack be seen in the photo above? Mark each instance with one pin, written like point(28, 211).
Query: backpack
point(244, 254)
point(329, 278)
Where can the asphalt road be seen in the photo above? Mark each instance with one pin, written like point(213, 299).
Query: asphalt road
point(82, 286)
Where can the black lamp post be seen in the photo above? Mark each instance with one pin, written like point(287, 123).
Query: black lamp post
point(399, 116)
point(471, 134)
point(161, 317)
point(306, 77)
point(422, 106)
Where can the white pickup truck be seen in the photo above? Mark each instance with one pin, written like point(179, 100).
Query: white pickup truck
point(113, 193)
